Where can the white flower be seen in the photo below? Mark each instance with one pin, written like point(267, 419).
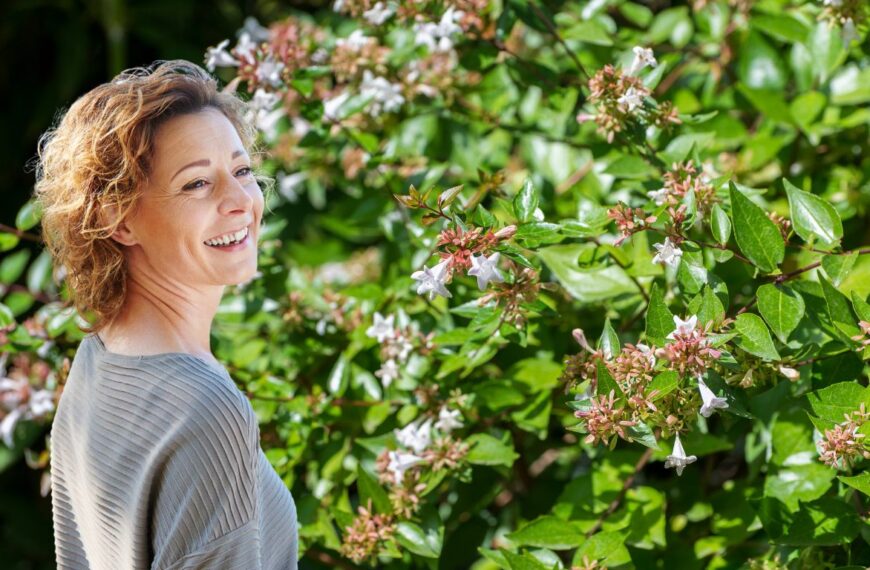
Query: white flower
point(684, 328)
point(40, 403)
point(658, 196)
point(263, 100)
point(382, 329)
point(356, 40)
point(246, 46)
point(448, 420)
point(833, 3)
point(7, 426)
point(415, 437)
point(648, 352)
point(219, 56)
point(668, 253)
point(288, 183)
point(436, 37)
point(710, 401)
point(678, 457)
point(789, 372)
point(331, 106)
point(388, 372)
point(631, 99)
point(642, 58)
point(850, 34)
point(432, 280)
point(386, 96)
point(269, 71)
point(484, 268)
point(255, 30)
point(338, 5)
point(378, 14)
point(401, 462)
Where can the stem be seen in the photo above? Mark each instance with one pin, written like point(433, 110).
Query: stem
point(20, 233)
point(641, 463)
point(558, 37)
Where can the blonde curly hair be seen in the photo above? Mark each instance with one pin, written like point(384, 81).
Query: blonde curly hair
point(98, 153)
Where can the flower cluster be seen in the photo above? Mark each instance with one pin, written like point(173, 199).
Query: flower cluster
point(396, 345)
point(848, 14)
point(629, 221)
point(863, 339)
point(19, 399)
point(690, 352)
point(368, 532)
point(621, 99)
point(679, 180)
point(463, 250)
point(842, 446)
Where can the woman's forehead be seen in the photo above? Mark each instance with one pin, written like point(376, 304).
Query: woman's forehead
point(202, 133)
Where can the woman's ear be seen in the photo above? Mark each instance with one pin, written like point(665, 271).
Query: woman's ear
point(123, 233)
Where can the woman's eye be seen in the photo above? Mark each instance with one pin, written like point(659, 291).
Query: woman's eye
point(195, 185)
point(245, 170)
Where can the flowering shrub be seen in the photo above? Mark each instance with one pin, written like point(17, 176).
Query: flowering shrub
point(575, 286)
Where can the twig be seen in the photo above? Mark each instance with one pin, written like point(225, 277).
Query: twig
point(558, 37)
point(641, 463)
point(20, 233)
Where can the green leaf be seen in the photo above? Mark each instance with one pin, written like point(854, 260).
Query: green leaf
point(665, 383)
point(838, 266)
point(525, 201)
point(523, 561)
point(806, 108)
point(862, 308)
point(839, 309)
point(659, 319)
point(837, 400)
point(812, 217)
point(339, 376)
point(755, 336)
point(608, 547)
point(609, 341)
point(781, 307)
point(710, 307)
point(720, 223)
point(418, 541)
point(605, 383)
point(757, 236)
point(13, 266)
point(28, 216)
point(826, 521)
point(643, 434)
point(590, 285)
point(548, 532)
point(8, 241)
point(487, 450)
point(6, 316)
point(370, 489)
point(860, 482)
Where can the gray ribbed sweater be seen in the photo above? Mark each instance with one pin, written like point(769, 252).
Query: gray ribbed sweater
point(156, 464)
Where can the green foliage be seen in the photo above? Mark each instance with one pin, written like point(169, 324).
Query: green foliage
point(624, 262)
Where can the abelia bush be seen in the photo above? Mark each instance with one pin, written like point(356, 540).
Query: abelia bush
point(563, 285)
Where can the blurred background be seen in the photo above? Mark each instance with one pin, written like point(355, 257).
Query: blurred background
point(56, 50)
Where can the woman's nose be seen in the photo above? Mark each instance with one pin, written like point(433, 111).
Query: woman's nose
point(235, 195)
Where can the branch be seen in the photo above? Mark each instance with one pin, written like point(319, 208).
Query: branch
point(641, 463)
point(558, 37)
point(20, 233)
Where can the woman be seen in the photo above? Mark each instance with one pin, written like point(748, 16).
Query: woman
point(151, 206)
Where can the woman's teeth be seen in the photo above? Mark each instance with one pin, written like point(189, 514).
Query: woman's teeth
point(229, 238)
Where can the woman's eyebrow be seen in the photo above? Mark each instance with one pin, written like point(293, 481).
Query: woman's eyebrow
point(203, 162)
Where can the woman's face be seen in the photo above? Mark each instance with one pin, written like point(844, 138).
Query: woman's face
point(200, 188)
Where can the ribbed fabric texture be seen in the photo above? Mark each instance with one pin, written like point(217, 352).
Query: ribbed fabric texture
point(156, 464)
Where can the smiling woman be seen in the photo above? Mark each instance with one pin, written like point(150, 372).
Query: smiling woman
point(151, 203)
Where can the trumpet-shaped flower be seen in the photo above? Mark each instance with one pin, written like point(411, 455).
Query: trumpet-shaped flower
point(678, 457)
point(386, 96)
point(401, 462)
point(642, 57)
point(432, 280)
point(484, 268)
point(382, 329)
point(668, 253)
point(378, 14)
point(218, 56)
point(631, 99)
point(388, 372)
point(658, 196)
point(415, 437)
point(448, 420)
point(710, 401)
point(684, 328)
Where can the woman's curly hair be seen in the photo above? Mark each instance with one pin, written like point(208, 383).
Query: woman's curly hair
point(98, 153)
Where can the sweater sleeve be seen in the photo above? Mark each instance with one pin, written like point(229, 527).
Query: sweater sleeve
point(204, 507)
